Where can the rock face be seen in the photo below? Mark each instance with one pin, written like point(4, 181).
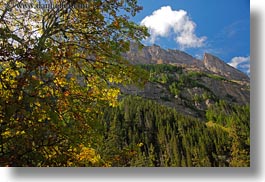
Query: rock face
point(210, 63)
point(156, 55)
point(219, 67)
point(199, 84)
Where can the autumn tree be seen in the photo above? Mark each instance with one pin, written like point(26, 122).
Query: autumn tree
point(58, 67)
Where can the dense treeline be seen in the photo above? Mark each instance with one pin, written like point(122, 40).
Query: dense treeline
point(143, 133)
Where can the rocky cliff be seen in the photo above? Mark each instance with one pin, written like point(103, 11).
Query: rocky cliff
point(217, 66)
point(157, 55)
point(187, 84)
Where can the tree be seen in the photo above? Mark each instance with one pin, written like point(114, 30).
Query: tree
point(58, 67)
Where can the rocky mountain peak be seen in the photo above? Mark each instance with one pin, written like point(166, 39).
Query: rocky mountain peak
point(156, 55)
point(185, 83)
point(216, 65)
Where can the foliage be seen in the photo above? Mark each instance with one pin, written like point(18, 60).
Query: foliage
point(237, 119)
point(155, 135)
point(58, 67)
point(161, 68)
point(161, 73)
point(176, 79)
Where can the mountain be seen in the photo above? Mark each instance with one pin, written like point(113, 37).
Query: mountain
point(157, 55)
point(190, 113)
point(141, 133)
point(185, 83)
point(216, 65)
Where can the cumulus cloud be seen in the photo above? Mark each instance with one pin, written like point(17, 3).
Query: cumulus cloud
point(166, 22)
point(241, 63)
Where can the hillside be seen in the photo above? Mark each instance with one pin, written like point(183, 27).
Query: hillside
point(180, 81)
point(190, 113)
point(157, 55)
point(142, 133)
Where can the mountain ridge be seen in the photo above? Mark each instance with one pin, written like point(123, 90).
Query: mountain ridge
point(190, 85)
point(216, 65)
point(156, 55)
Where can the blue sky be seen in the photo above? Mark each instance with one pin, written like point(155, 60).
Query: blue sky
point(219, 27)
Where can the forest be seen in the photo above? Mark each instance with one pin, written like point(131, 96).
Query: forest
point(141, 132)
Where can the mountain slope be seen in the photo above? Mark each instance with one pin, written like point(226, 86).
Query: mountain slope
point(189, 85)
point(215, 65)
point(190, 113)
point(156, 55)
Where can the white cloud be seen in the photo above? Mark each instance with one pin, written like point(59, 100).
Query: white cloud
point(242, 63)
point(165, 22)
